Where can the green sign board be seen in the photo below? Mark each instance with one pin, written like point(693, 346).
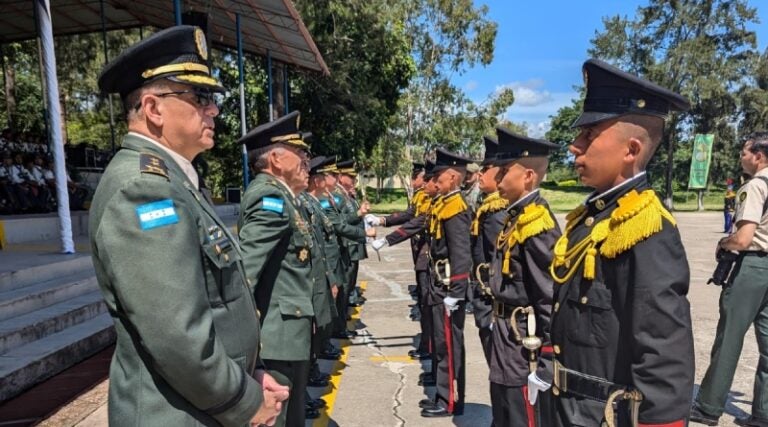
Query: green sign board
point(700, 159)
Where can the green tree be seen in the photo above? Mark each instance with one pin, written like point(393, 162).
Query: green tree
point(700, 48)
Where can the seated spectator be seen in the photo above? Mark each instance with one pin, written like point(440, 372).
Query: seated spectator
point(38, 186)
point(8, 203)
point(78, 193)
point(18, 186)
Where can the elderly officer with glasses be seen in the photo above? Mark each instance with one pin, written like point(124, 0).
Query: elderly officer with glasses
point(188, 335)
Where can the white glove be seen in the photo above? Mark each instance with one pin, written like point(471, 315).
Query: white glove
point(535, 385)
point(490, 327)
point(372, 220)
point(451, 303)
point(378, 244)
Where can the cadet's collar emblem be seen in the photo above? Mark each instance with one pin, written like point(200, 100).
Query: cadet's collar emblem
point(202, 46)
point(600, 204)
point(743, 196)
point(303, 254)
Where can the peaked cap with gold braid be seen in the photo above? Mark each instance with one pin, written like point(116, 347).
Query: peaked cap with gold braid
point(637, 217)
point(177, 53)
point(284, 130)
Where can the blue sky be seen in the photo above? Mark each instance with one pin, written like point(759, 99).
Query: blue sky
point(540, 47)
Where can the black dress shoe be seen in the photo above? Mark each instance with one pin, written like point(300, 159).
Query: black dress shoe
point(316, 403)
point(311, 414)
point(329, 356)
point(436, 411)
point(752, 421)
point(317, 382)
point(701, 417)
point(420, 355)
point(429, 382)
point(426, 403)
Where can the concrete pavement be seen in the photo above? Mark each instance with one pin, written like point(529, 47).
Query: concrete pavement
point(375, 383)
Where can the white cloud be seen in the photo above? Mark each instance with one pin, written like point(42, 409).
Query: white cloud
point(538, 117)
point(528, 93)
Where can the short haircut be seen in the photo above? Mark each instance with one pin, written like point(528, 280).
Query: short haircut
point(759, 143)
point(132, 99)
point(537, 164)
point(648, 129)
point(258, 159)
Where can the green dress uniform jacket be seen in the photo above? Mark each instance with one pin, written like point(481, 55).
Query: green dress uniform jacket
point(277, 254)
point(323, 268)
point(173, 280)
point(630, 324)
point(349, 208)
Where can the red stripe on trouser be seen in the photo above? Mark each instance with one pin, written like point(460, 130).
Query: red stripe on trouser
point(401, 232)
point(528, 408)
point(449, 344)
point(457, 277)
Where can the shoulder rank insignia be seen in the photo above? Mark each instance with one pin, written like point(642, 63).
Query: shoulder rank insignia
point(272, 204)
point(303, 254)
point(149, 163)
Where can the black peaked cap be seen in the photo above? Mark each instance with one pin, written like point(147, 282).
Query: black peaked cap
point(612, 93)
point(446, 159)
point(284, 130)
point(491, 146)
point(177, 53)
point(513, 146)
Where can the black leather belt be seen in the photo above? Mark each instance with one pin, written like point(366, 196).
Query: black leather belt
point(503, 310)
point(587, 386)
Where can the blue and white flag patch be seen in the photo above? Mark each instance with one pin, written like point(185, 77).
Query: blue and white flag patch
point(337, 199)
point(325, 204)
point(157, 214)
point(272, 204)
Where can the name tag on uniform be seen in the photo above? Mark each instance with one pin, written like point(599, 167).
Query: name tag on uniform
point(157, 214)
point(272, 204)
point(325, 204)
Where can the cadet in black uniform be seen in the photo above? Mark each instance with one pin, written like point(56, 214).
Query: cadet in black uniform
point(451, 263)
point(486, 227)
point(416, 229)
point(521, 284)
point(621, 325)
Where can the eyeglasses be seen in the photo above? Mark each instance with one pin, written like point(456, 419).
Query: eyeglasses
point(203, 97)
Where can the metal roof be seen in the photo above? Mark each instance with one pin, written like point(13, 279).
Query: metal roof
point(272, 25)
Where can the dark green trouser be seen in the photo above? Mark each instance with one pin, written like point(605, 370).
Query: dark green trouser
point(742, 303)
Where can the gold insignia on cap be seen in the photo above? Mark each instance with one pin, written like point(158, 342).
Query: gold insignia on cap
point(640, 103)
point(524, 153)
point(202, 46)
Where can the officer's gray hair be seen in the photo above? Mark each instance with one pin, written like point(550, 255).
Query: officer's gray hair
point(759, 142)
point(133, 100)
point(259, 158)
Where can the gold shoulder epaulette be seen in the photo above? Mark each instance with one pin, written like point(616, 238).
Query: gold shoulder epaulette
point(534, 220)
point(637, 217)
point(424, 205)
point(445, 208)
point(149, 163)
point(493, 203)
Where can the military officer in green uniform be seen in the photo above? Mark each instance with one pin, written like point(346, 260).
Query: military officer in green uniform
point(277, 253)
point(188, 337)
point(355, 213)
point(744, 300)
point(348, 232)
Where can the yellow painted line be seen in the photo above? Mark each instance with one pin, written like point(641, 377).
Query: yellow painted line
point(332, 390)
point(399, 359)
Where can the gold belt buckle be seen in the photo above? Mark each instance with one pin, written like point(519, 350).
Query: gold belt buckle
point(560, 381)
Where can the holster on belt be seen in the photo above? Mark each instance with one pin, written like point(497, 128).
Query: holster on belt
point(597, 389)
